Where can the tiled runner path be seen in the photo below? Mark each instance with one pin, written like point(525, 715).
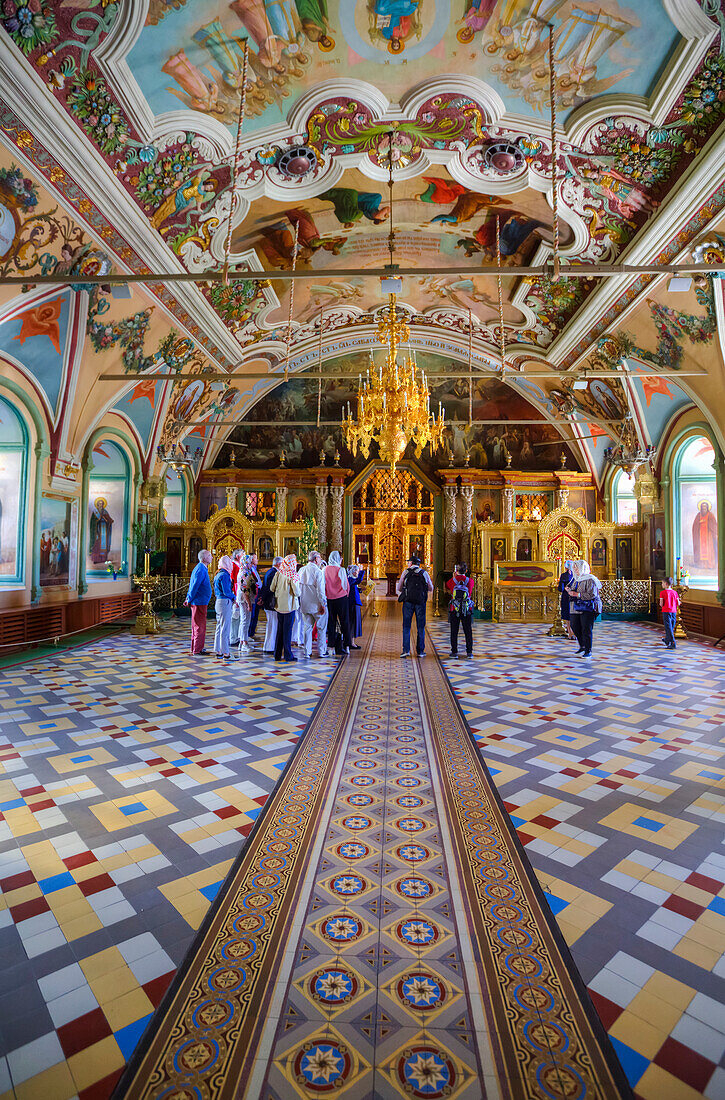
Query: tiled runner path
point(380, 935)
point(613, 772)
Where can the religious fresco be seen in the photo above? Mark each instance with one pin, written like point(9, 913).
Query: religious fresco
point(36, 337)
point(212, 498)
point(697, 510)
point(11, 473)
point(437, 221)
point(257, 442)
point(57, 539)
point(191, 58)
point(612, 181)
point(108, 491)
point(487, 505)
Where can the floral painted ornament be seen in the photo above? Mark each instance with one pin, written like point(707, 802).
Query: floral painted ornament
point(29, 24)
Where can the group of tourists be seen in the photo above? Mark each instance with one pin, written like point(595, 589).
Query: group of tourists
point(319, 601)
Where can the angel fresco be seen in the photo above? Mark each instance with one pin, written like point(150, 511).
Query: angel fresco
point(582, 39)
point(277, 240)
point(351, 206)
point(198, 91)
point(189, 198)
point(622, 194)
point(514, 234)
point(466, 206)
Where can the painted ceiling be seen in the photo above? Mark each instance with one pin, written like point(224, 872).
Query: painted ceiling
point(194, 58)
point(121, 158)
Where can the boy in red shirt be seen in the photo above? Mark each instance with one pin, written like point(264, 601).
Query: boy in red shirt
point(669, 602)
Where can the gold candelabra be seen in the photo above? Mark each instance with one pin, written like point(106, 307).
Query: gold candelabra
point(393, 403)
point(556, 630)
point(681, 586)
point(146, 621)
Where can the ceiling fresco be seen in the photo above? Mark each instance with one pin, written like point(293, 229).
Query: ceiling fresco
point(192, 57)
point(155, 88)
point(129, 164)
point(282, 425)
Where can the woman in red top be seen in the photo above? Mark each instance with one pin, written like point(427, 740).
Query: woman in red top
point(460, 609)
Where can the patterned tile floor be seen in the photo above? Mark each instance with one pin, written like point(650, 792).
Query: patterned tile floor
point(381, 937)
point(130, 775)
point(613, 772)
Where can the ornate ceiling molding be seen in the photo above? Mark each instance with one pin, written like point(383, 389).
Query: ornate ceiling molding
point(698, 197)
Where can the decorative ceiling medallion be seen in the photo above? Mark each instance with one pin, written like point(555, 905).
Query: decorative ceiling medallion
point(298, 162)
point(503, 158)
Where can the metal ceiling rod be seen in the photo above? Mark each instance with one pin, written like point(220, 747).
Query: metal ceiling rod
point(572, 271)
point(541, 422)
point(509, 375)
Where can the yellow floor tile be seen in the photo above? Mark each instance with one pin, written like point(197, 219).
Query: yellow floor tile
point(56, 1082)
point(695, 953)
point(647, 1038)
point(24, 893)
point(108, 987)
point(657, 1084)
point(79, 926)
point(128, 1008)
point(95, 1063)
point(103, 962)
point(655, 1010)
point(662, 987)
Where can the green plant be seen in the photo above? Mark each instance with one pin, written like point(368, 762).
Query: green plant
point(308, 539)
point(146, 534)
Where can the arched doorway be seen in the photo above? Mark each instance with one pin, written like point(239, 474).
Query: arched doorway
point(392, 518)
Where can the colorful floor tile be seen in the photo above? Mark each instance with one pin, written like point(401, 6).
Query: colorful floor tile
point(381, 935)
point(612, 773)
point(130, 777)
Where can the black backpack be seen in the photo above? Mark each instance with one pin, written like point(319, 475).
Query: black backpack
point(415, 588)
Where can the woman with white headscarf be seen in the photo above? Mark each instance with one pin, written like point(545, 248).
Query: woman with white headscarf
point(286, 589)
point(584, 607)
point(224, 593)
point(337, 588)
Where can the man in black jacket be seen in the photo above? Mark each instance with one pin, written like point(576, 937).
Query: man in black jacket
point(413, 588)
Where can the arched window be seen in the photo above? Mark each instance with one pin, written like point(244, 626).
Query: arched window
point(108, 505)
point(624, 508)
point(13, 494)
point(175, 499)
point(695, 511)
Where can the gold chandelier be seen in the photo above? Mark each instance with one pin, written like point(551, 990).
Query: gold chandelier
point(393, 404)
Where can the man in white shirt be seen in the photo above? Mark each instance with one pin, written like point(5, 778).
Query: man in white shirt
point(313, 604)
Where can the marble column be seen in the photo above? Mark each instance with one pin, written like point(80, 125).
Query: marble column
point(282, 504)
point(450, 492)
point(467, 522)
point(336, 491)
point(321, 492)
point(508, 504)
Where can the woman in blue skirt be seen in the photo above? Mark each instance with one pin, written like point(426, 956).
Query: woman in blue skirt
point(356, 576)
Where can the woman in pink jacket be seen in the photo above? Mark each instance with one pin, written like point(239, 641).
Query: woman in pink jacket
point(337, 587)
